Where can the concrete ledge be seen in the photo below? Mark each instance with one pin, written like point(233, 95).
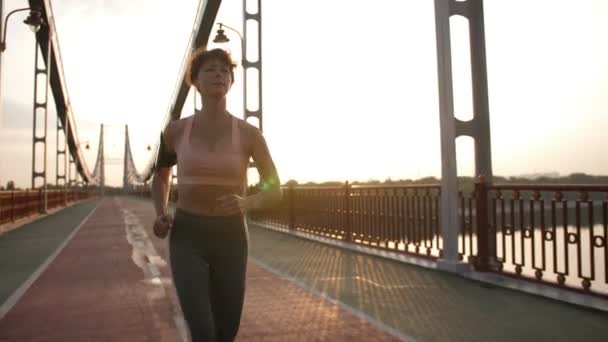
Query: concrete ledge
point(539, 289)
point(457, 267)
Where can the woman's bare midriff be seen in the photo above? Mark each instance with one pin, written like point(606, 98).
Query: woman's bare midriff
point(203, 199)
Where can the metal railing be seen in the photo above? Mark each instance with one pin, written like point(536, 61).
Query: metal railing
point(554, 234)
point(18, 204)
point(397, 218)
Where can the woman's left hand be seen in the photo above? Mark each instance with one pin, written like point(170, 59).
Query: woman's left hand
point(230, 205)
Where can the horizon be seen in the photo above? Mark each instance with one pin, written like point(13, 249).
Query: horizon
point(528, 177)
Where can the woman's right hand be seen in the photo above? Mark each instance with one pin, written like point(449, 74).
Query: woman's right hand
point(162, 225)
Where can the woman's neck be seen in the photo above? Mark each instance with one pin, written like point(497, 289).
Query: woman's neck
point(214, 109)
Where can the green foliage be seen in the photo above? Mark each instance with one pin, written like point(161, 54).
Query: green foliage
point(291, 182)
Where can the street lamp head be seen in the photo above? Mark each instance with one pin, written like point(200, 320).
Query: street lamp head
point(34, 20)
point(221, 37)
point(86, 145)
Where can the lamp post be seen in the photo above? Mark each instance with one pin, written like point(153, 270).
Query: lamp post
point(34, 20)
point(221, 37)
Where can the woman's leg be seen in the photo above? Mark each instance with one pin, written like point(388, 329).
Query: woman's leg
point(191, 275)
point(228, 272)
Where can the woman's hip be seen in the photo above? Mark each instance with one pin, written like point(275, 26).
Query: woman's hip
point(208, 230)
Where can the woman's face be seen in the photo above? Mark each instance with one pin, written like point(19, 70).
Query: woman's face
point(214, 78)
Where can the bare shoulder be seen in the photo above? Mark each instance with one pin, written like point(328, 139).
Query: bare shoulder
point(250, 132)
point(175, 128)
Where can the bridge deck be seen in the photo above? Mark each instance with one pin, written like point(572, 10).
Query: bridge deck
point(110, 282)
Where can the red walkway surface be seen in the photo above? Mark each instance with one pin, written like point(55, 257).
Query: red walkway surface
point(112, 283)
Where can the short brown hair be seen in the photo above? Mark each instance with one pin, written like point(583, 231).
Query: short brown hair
point(202, 55)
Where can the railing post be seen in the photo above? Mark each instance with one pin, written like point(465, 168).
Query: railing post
point(291, 201)
point(347, 223)
point(12, 205)
point(40, 202)
point(30, 210)
point(482, 261)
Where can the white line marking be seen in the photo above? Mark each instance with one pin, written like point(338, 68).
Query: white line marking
point(146, 257)
point(376, 284)
point(17, 294)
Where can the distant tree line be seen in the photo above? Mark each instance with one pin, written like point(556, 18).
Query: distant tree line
point(467, 184)
point(10, 185)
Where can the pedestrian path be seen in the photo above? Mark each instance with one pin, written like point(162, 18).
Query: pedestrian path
point(111, 282)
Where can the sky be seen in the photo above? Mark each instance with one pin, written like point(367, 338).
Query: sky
point(349, 88)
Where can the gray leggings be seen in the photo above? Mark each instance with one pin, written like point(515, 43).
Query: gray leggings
point(209, 262)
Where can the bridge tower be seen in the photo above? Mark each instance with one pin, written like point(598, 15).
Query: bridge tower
point(450, 127)
point(128, 165)
point(40, 111)
point(99, 172)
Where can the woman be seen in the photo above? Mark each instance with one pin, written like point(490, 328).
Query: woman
point(208, 240)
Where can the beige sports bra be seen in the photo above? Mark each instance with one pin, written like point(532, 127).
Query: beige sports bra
point(206, 167)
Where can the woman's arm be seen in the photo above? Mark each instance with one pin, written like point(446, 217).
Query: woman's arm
point(160, 196)
point(160, 183)
point(161, 187)
point(160, 190)
point(270, 185)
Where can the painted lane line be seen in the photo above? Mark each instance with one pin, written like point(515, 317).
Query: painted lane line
point(17, 294)
point(146, 257)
